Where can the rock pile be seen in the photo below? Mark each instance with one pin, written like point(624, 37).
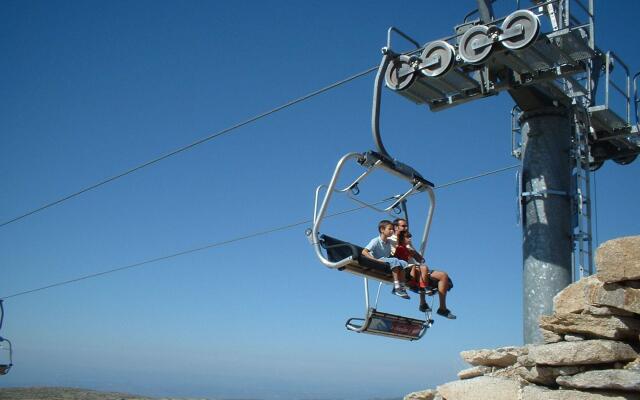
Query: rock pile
point(591, 349)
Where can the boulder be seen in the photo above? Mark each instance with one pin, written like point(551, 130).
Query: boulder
point(573, 338)
point(550, 337)
point(584, 352)
point(604, 310)
point(614, 295)
point(501, 357)
point(608, 327)
point(533, 392)
point(525, 361)
point(573, 299)
point(480, 388)
point(619, 259)
point(635, 364)
point(589, 292)
point(547, 375)
point(510, 372)
point(429, 394)
point(608, 379)
point(473, 372)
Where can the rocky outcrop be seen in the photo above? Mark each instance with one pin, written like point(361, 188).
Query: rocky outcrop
point(428, 394)
point(480, 388)
point(473, 372)
point(542, 393)
point(591, 343)
point(502, 357)
point(619, 260)
point(617, 296)
point(596, 326)
point(611, 379)
point(585, 352)
point(544, 375)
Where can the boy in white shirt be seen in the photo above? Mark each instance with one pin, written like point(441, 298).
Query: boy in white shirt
point(379, 248)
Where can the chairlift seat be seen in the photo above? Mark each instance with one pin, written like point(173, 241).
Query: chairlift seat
point(390, 325)
point(4, 368)
point(338, 250)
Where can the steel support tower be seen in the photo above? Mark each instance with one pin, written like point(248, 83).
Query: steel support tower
point(564, 125)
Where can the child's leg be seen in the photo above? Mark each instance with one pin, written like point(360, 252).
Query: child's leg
point(395, 272)
point(443, 285)
point(424, 276)
point(414, 273)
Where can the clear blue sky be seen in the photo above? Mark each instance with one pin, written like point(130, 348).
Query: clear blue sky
point(92, 88)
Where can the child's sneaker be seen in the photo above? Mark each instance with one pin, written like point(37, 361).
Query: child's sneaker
point(400, 292)
point(446, 313)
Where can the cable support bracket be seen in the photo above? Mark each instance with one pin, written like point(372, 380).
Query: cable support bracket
point(545, 193)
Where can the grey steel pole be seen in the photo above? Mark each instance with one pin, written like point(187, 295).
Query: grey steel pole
point(547, 244)
point(485, 9)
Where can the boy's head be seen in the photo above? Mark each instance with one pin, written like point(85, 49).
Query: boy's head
point(400, 225)
point(385, 227)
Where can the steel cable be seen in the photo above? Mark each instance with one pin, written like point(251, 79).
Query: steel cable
point(190, 146)
point(237, 239)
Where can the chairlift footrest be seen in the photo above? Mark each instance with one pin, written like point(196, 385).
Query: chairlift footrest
point(390, 325)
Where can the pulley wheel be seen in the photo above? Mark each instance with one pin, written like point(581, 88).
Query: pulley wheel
point(520, 29)
point(475, 45)
point(399, 74)
point(437, 58)
point(625, 160)
point(594, 166)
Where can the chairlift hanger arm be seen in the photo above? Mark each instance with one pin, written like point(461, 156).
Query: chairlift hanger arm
point(402, 170)
point(478, 10)
point(636, 98)
point(485, 9)
point(375, 110)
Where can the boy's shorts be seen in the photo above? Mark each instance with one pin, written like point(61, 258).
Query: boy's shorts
point(395, 262)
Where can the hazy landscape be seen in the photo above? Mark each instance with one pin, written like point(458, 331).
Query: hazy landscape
point(61, 393)
point(41, 393)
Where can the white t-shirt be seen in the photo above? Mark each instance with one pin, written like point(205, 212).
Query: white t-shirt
point(379, 248)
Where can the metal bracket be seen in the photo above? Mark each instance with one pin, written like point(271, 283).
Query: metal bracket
point(497, 35)
point(545, 193)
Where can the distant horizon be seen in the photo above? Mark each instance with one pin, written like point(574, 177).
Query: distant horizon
point(83, 389)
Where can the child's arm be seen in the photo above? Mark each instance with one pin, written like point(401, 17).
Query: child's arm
point(416, 255)
point(366, 253)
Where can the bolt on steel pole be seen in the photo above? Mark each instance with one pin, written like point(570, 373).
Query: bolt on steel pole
point(547, 242)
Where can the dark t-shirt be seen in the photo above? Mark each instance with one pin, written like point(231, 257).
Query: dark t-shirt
point(402, 253)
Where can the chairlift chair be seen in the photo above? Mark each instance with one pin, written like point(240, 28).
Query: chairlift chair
point(6, 363)
point(345, 256)
point(6, 352)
